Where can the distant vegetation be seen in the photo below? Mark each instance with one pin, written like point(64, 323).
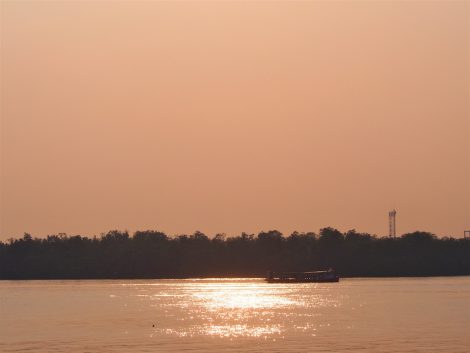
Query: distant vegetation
point(152, 254)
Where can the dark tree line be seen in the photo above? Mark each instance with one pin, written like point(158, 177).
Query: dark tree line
point(152, 254)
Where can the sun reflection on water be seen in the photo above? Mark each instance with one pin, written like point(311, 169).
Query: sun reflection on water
point(239, 308)
point(242, 330)
point(241, 296)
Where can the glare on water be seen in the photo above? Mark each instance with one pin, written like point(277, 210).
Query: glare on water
point(222, 296)
point(240, 315)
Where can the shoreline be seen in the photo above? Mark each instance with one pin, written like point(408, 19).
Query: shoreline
point(214, 278)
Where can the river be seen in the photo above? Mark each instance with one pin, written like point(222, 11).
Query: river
point(236, 315)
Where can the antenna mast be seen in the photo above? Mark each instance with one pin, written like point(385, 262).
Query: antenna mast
point(391, 223)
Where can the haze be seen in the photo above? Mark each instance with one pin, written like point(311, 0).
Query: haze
point(234, 116)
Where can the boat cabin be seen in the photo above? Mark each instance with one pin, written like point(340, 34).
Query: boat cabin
point(312, 276)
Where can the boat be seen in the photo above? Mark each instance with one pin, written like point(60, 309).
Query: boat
point(296, 277)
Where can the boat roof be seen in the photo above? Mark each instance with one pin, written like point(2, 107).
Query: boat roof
point(304, 272)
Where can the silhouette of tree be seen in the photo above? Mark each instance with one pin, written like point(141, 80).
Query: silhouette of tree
point(153, 254)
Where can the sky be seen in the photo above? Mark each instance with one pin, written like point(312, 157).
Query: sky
point(234, 116)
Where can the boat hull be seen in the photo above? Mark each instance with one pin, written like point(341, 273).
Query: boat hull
point(325, 276)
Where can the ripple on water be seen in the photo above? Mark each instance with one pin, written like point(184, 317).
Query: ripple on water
point(372, 315)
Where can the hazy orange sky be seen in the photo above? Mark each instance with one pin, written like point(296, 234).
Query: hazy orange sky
point(234, 116)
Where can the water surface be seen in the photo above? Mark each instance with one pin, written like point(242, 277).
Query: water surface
point(236, 315)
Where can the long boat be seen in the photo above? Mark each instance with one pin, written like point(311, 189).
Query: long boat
point(296, 277)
